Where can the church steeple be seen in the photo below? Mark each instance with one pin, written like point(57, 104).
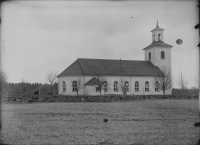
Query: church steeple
point(157, 34)
point(158, 52)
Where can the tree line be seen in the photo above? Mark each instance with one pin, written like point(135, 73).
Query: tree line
point(164, 82)
point(49, 88)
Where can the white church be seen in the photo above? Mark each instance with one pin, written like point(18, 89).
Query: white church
point(138, 76)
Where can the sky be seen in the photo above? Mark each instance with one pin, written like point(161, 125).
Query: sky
point(42, 36)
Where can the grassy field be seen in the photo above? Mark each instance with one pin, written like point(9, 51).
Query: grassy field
point(137, 122)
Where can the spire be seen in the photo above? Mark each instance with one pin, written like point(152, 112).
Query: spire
point(157, 24)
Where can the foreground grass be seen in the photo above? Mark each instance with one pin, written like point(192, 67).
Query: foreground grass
point(142, 121)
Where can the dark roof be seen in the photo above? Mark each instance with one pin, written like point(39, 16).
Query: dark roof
point(93, 81)
point(158, 28)
point(110, 67)
point(158, 43)
point(73, 69)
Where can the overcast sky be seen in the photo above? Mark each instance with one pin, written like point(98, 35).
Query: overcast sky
point(43, 36)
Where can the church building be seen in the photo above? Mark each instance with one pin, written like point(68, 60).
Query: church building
point(136, 77)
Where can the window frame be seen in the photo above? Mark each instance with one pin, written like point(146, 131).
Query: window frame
point(63, 86)
point(149, 55)
point(115, 86)
point(137, 86)
point(97, 89)
point(157, 87)
point(162, 55)
point(147, 86)
point(105, 86)
point(74, 86)
point(126, 85)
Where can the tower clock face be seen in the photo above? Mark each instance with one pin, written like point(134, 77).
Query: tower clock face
point(179, 41)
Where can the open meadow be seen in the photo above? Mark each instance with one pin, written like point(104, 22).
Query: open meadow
point(163, 121)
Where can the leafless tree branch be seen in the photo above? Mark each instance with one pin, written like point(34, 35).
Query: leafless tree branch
point(51, 78)
point(164, 80)
point(182, 82)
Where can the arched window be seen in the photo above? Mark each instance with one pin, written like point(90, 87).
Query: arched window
point(74, 86)
point(149, 55)
point(105, 85)
point(146, 86)
point(64, 86)
point(159, 37)
point(154, 37)
point(126, 85)
point(115, 86)
point(162, 55)
point(156, 86)
point(137, 86)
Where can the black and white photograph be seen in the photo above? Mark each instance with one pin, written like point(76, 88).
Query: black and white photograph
point(104, 72)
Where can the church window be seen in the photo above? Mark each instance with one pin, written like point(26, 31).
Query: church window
point(162, 55)
point(64, 86)
point(126, 85)
point(115, 86)
point(137, 86)
point(105, 86)
point(146, 86)
point(156, 86)
point(159, 37)
point(149, 55)
point(74, 86)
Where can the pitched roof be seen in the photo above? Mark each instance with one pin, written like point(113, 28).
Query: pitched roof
point(158, 43)
point(73, 69)
point(110, 67)
point(93, 81)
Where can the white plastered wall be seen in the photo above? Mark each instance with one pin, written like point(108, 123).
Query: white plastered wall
point(91, 90)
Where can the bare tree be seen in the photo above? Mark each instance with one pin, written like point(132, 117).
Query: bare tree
point(122, 86)
point(164, 80)
point(182, 82)
point(51, 78)
point(79, 85)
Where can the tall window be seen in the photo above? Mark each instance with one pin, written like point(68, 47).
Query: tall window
point(137, 86)
point(74, 86)
point(115, 86)
point(64, 86)
point(154, 37)
point(105, 86)
point(126, 86)
point(162, 55)
point(156, 86)
point(159, 37)
point(146, 86)
point(149, 55)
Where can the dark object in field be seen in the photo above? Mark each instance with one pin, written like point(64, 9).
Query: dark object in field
point(105, 120)
point(107, 142)
point(197, 124)
point(37, 92)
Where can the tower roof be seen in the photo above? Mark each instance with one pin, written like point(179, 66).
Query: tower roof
point(157, 28)
point(158, 43)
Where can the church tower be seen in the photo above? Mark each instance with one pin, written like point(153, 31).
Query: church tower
point(158, 52)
